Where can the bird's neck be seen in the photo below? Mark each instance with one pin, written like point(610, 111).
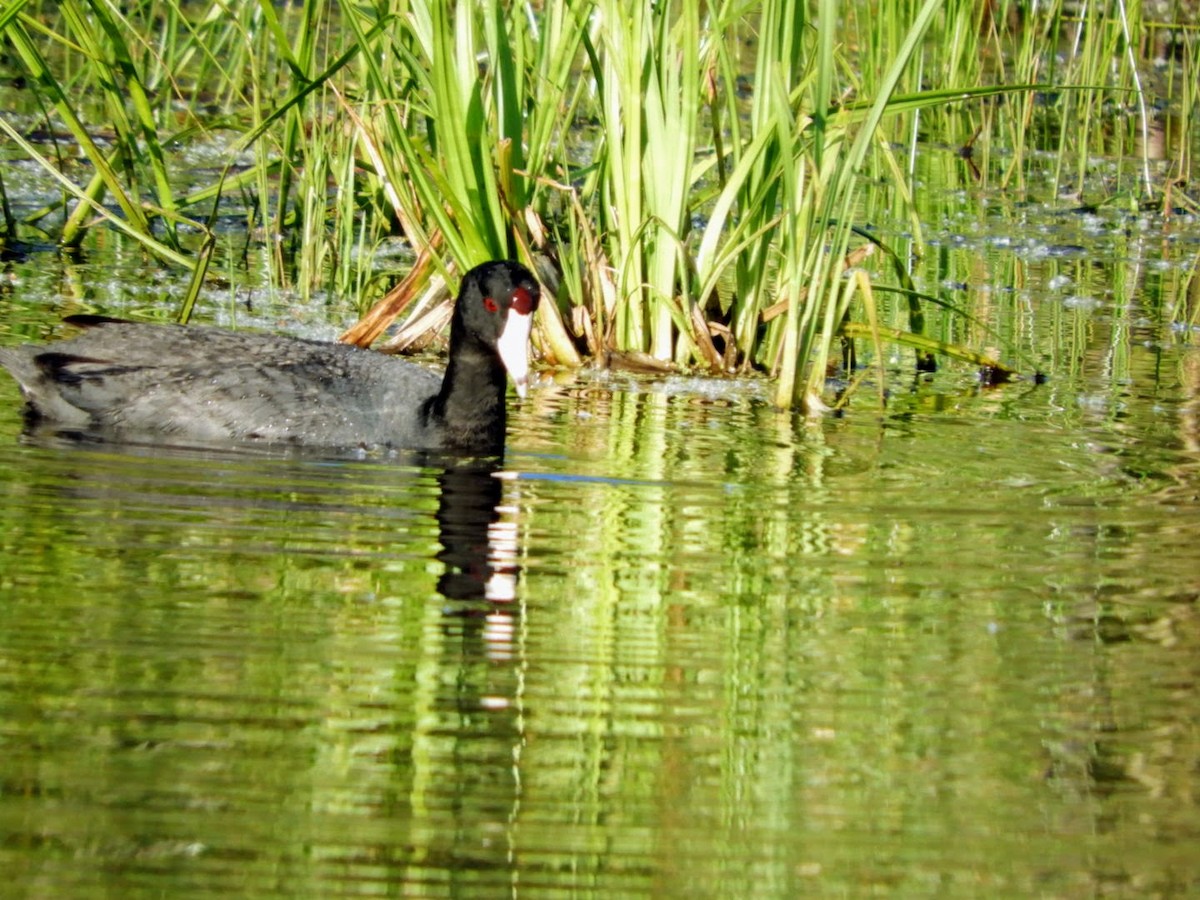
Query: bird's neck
point(470, 405)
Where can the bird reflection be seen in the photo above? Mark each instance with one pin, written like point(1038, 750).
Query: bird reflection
point(479, 550)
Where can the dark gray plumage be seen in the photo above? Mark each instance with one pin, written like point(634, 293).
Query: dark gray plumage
point(174, 384)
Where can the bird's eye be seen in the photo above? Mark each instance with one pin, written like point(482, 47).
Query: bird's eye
point(490, 305)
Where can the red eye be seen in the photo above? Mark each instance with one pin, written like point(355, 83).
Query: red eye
point(490, 305)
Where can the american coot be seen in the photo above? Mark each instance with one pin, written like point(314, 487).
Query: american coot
point(176, 384)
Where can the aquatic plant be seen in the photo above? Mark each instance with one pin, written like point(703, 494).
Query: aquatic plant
point(692, 175)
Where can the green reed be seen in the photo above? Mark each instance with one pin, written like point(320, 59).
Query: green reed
point(692, 220)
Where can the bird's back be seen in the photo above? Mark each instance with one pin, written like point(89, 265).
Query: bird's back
point(176, 384)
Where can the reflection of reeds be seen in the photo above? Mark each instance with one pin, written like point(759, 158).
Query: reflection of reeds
point(1189, 410)
point(699, 222)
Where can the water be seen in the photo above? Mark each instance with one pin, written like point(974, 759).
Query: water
point(678, 644)
point(675, 644)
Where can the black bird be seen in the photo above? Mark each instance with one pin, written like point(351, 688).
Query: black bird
point(196, 385)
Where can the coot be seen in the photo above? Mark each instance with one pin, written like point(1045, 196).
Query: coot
point(176, 384)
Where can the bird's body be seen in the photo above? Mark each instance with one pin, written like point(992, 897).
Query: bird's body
point(175, 384)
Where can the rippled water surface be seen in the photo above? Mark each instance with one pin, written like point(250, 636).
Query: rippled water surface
point(674, 644)
point(677, 644)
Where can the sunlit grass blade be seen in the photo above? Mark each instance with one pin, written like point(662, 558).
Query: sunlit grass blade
point(1000, 370)
point(818, 334)
point(97, 209)
point(44, 77)
point(124, 85)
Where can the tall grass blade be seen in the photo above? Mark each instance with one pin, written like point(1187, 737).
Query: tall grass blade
point(147, 240)
point(42, 75)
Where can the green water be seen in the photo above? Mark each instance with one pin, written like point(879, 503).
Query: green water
point(676, 644)
point(681, 646)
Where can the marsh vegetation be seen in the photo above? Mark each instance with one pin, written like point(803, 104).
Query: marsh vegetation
point(698, 181)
